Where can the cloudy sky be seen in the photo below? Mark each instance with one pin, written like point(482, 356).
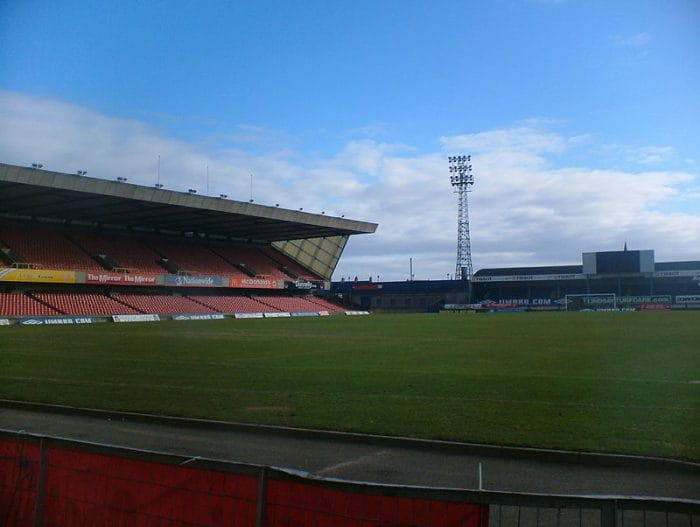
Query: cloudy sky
point(582, 117)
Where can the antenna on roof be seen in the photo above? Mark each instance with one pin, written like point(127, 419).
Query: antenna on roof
point(625, 249)
point(251, 188)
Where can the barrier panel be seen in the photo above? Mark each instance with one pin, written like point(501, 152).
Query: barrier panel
point(46, 482)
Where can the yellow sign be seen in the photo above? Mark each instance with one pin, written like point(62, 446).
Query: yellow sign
point(37, 275)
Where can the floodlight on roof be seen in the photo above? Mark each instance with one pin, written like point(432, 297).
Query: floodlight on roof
point(81, 172)
point(37, 165)
point(159, 185)
point(121, 180)
point(192, 191)
point(223, 196)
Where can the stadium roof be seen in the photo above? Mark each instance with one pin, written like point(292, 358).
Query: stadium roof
point(32, 193)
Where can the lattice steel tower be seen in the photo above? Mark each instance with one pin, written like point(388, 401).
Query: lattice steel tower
point(462, 179)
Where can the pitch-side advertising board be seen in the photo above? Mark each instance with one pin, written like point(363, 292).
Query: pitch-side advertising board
point(120, 278)
point(37, 275)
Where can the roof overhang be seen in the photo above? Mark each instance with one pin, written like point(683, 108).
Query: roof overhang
point(33, 193)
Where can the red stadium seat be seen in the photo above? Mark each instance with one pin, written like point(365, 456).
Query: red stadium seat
point(130, 253)
point(164, 304)
point(85, 304)
point(19, 304)
point(233, 304)
point(47, 248)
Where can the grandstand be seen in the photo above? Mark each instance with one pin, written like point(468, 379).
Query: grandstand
point(608, 280)
point(72, 245)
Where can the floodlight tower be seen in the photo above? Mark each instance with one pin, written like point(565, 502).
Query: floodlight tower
point(462, 179)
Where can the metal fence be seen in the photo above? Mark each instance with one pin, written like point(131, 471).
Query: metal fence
point(48, 481)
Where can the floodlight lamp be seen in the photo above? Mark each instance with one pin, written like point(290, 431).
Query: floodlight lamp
point(192, 191)
point(277, 204)
point(159, 185)
point(224, 196)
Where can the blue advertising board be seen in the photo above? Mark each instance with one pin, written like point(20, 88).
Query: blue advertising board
point(55, 321)
point(195, 281)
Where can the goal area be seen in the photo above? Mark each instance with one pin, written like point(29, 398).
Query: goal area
point(590, 302)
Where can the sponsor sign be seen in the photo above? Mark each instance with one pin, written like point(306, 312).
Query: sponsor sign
point(654, 299)
point(624, 300)
point(324, 314)
point(37, 275)
point(275, 314)
point(135, 318)
point(120, 278)
point(610, 309)
point(528, 301)
point(688, 299)
point(529, 277)
point(500, 305)
point(367, 287)
point(671, 274)
point(355, 313)
point(4, 321)
point(194, 281)
point(55, 321)
point(461, 307)
point(655, 307)
point(254, 283)
point(248, 315)
point(212, 316)
point(304, 284)
point(305, 314)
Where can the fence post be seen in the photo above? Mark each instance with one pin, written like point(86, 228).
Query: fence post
point(608, 514)
point(262, 497)
point(40, 485)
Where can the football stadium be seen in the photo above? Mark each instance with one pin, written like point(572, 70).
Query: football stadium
point(206, 371)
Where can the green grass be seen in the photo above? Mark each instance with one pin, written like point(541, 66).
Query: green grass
point(613, 382)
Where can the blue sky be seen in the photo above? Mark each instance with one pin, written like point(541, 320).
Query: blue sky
point(374, 96)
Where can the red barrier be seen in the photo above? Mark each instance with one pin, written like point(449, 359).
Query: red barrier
point(75, 488)
point(19, 474)
point(299, 504)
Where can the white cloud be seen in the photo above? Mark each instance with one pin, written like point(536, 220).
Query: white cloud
point(641, 155)
point(631, 41)
point(526, 207)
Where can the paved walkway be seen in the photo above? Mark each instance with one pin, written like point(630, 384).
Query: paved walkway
point(409, 465)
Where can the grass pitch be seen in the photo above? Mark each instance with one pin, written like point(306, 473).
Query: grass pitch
point(613, 382)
